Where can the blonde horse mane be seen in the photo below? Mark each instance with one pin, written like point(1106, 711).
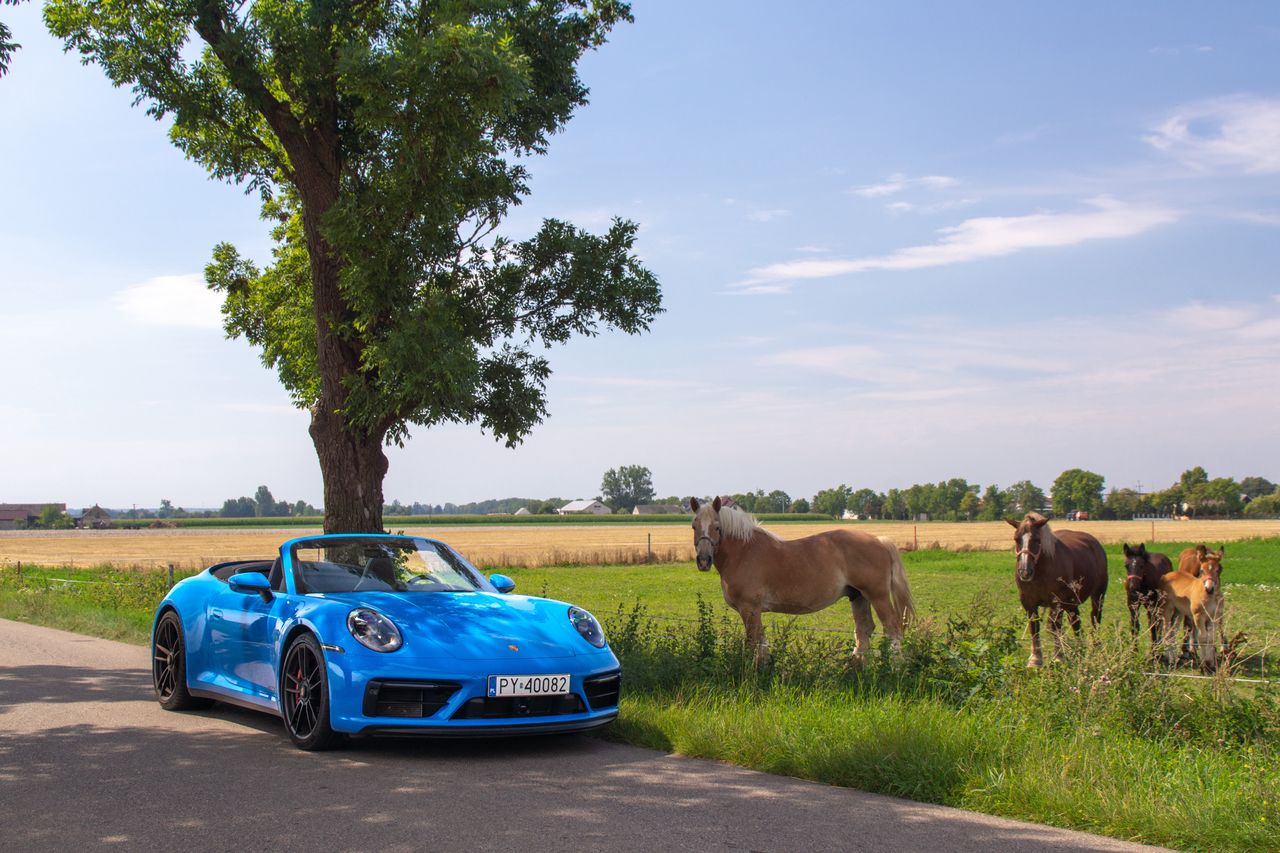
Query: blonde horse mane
point(737, 523)
point(1048, 542)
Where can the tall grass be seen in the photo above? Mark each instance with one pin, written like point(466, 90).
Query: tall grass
point(1092, 743)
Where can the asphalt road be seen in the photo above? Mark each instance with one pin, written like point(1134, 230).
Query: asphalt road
point(88, 760)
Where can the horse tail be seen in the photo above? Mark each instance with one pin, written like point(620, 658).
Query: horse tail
point(899, 592)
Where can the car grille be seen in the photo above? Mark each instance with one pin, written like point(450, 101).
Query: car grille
point(488, 708)
point(407, 698)
point(603, 690)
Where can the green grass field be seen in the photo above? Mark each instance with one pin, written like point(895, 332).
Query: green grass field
point(1095, 742)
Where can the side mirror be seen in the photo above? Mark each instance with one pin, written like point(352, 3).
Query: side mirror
point(251, 582)
point(502, 583)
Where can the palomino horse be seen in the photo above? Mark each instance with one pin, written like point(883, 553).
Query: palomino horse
point(761, 573)
point(1058, 571)
point(1143, 571)
point(1197, 598)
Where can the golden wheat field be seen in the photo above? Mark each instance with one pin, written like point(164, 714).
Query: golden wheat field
point(500, 545)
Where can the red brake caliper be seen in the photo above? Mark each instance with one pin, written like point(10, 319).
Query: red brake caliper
point(298, 678)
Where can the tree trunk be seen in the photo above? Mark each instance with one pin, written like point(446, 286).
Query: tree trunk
point(353, 468)
point(352, 462)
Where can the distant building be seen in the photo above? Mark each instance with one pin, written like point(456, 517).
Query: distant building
point(524, 510)
point(584, 508)
point(13, 516)
point(658, 509)
point(95, 518)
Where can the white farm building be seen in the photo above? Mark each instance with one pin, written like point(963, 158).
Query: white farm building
point(584, 508)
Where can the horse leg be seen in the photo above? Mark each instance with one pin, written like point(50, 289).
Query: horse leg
point(1033, 622)
point(1073, 615)
point(1134, 604)
point(1207, 642)
point(1153, 623)
point(1169, 623)
point(1055, 628)
point(1095, 612)
point(890, 620)
point(863, 626)
point(755, 636)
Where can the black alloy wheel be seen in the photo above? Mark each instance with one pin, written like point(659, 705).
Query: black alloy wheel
point(304, 696)
point(169, 667)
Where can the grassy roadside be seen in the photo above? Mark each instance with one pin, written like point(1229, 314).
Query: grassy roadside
point(1092, 744)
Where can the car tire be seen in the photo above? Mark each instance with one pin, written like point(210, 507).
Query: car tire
point(169, 667)
point(304, 696)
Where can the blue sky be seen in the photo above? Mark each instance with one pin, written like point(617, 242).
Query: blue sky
point(898, 243)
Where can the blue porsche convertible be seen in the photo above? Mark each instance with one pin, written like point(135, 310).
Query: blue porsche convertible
point(368, 634)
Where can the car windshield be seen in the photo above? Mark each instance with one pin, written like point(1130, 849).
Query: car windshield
point(380, 564)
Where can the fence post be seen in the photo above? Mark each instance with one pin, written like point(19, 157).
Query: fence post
point(171, 575)
point(1153, 531)
point(915, 538)
point(649, 548)
point(19, 570)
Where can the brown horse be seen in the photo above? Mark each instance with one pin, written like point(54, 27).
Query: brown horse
point(761, 573)
point(1143, 572)
point(1058, 571)
point(1190, 559)
point(1198, 598)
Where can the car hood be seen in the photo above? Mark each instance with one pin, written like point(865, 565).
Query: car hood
point(474, 625)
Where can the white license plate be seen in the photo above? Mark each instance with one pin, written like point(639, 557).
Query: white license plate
point(528, 685)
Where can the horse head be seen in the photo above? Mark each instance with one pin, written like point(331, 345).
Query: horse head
point(1211, 568)
point(1137, 568)
point(706, 531)
point(1029, 541)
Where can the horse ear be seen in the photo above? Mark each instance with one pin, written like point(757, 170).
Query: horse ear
point(1222, 549)
point(693, 504)
point(1039, 521)
point(1201, 550)
point(715, 504)
point(1142, 549)
point(1129, 552)
point(1012, 523)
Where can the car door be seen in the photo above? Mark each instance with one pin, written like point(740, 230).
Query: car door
point(243, 630)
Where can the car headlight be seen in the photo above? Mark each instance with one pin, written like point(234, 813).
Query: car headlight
point(587, 626)
point(374, 630)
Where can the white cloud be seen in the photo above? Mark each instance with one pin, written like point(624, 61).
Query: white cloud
point(933, 207)
point(1240, 133)
point(897, 183)
point(768, 215)
point(172, 300)
point(984, 237)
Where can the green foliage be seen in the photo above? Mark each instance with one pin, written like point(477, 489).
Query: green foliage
point(832, 502)
point(8, 47)
point(1077, 490)
point(1267, 506)
point(1125, 504)
point(994, 503)
point(53, 518)
point(1256, 487)
point(626, 486)
point(1024, 497)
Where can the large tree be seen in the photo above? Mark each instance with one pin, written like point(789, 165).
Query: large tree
point(625, 486)
point(385, 139)
point(1077, 489)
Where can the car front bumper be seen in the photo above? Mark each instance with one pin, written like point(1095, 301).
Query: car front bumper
point(387, 694)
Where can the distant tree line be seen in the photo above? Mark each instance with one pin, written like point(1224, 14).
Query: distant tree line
point(1074, 491)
